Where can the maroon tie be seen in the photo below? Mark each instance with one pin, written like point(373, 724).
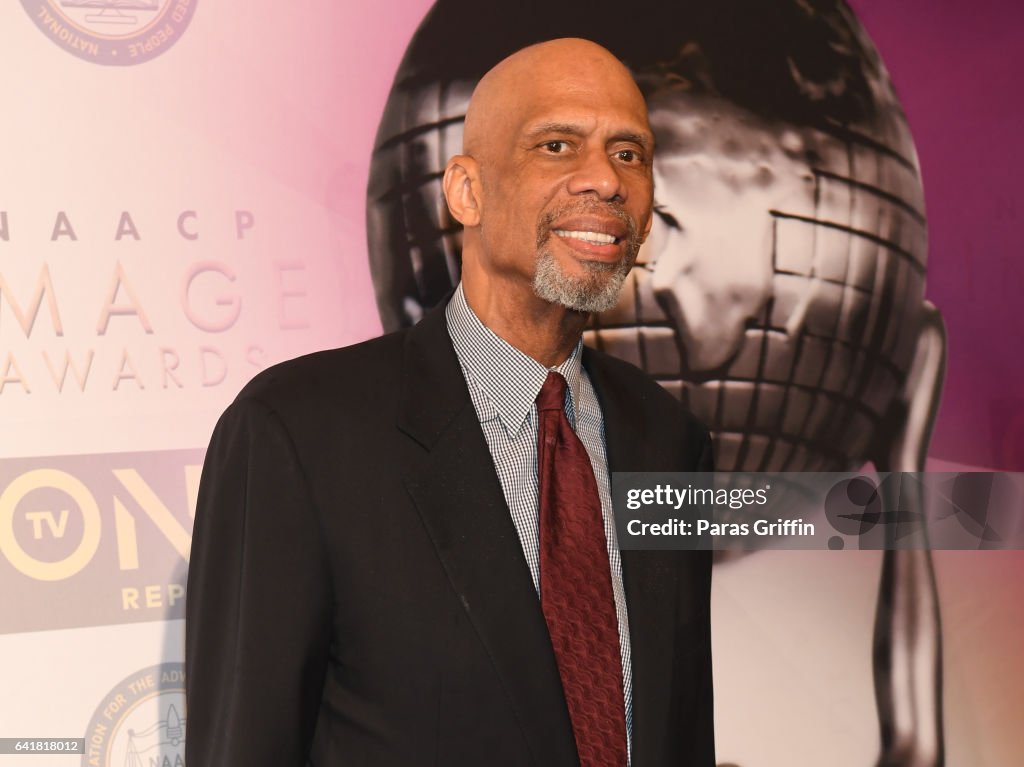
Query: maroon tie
point(576, 585)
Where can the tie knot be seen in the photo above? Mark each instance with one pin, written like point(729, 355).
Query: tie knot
point(552, 393)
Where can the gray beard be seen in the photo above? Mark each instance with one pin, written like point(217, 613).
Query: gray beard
point(596, 291)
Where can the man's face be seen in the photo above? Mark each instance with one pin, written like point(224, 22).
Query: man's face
point(567, 188)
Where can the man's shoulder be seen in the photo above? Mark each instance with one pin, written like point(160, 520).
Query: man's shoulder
point(665, 432)
point(344, 374)
point(640, 388)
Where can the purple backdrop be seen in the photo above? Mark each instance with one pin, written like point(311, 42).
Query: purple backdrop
point(956, 67)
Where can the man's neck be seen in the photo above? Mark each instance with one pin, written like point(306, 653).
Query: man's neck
point(545, 331)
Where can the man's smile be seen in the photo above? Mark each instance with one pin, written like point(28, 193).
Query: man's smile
point(594, 235)
point(597, 238)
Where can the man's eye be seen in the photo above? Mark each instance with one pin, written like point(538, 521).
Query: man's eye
point(628, 155)
point(556, 147)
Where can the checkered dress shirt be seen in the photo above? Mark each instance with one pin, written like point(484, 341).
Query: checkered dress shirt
point(503, 385)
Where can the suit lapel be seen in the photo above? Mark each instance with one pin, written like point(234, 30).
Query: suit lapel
point(461, 503)
point(649, 577)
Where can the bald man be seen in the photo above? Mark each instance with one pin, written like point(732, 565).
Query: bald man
point(403, 551)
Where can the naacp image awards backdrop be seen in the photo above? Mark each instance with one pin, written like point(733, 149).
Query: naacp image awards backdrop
point(191, 191)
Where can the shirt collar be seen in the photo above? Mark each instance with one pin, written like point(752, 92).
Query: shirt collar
point(510, 379)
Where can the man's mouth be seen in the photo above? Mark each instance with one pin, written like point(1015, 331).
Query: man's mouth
point(594, 238)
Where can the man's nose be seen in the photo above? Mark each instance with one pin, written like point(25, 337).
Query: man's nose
point(597, 174)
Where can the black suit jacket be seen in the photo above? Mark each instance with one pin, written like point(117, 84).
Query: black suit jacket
point(358, 595)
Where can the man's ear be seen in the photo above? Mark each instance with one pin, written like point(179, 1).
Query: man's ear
point(461, 186)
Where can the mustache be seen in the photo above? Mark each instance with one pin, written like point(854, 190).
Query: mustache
point(589, 207)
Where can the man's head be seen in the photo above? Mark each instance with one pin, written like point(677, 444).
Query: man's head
point(554, 187)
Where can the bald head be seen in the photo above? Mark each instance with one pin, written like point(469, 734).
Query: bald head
point(536, 77)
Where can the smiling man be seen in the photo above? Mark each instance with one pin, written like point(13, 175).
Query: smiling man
point(404, 552)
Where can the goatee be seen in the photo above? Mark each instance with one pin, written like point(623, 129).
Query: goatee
point(598, 289)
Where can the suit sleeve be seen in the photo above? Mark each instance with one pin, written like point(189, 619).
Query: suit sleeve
point(258, 610)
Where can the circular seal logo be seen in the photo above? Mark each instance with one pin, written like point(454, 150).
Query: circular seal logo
point(119, 32)
point(141, 722)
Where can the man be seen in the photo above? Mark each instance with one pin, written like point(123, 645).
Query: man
point(404, 551)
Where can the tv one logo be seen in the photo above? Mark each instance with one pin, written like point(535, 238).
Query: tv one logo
point(114, 528)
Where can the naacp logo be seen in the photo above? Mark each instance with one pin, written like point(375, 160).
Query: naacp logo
point(141, 722)
point(119, 32)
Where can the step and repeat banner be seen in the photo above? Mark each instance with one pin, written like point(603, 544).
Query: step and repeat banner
point(191, 191)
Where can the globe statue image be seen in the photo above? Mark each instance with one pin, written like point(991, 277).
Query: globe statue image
point(780, 295)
